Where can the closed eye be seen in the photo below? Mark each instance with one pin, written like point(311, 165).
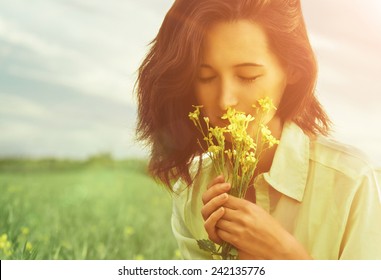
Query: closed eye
point(248, 79)
point(206, 80)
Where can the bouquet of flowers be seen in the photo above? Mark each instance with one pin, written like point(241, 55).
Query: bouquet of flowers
point(238, 159)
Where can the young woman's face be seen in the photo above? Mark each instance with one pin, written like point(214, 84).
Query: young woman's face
point(237, 68)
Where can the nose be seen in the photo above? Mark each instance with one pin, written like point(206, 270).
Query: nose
point(228, 95)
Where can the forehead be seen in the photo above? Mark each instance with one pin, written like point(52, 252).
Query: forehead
point(235, 41)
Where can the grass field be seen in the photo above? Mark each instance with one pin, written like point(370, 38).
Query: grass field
point(98, 209)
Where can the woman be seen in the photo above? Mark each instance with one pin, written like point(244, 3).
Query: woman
point(312, 197)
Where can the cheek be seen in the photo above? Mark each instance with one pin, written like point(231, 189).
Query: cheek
point(273, 90)
point(207, 98)
point(202, 95)
point(279, 87)
point(208, 110)
point(200, 98)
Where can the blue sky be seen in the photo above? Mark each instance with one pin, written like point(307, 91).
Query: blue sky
point(67, 69)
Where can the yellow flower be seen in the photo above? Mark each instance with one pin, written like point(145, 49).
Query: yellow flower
point(128, 231)
point(238, 162)
point(214, 149)
point(248, 142)
point(271, 140)
point(267, 137)
point(218, 133)
point(28, 246)
point(194, 116)
point(265, 130)
point(139, 257)
point(24, 231)
point(266, 104)
point(5, 244)
point(250, 158)
point(177, 254)
point(229, 114)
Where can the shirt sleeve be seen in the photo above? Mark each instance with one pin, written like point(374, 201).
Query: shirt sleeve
point(187, 243)
point(362, 237)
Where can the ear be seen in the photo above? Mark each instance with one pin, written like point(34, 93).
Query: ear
point(293, 75)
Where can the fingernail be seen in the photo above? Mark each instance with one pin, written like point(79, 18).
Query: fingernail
point(224, 195)
point(226, 186)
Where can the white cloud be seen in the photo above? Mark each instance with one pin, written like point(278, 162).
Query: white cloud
point(12, 105)
point(13, 35)
point(68, 66)
point(95, 46)
point(39, 139)
point(346, 38)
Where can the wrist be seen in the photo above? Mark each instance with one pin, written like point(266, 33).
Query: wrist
point(295, 251)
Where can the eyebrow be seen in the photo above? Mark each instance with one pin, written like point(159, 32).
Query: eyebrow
point(246, 64)
point(250, 64)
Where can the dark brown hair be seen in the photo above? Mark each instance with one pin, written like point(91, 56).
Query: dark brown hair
point(166, 76)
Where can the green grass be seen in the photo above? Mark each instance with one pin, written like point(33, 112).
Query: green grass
point(98, 209)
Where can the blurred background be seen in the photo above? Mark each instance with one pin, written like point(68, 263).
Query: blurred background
point(67, 71)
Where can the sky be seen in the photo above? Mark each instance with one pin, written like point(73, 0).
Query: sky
point(68, 67)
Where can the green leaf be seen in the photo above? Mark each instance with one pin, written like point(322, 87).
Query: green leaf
point(207, 245)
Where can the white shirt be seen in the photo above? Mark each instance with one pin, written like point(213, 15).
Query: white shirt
point(324, 193)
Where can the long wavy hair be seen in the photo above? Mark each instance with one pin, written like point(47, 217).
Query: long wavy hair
point(165, 84)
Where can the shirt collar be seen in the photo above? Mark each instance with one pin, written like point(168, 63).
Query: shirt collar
point(288, 172)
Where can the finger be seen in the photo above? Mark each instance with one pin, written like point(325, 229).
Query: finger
point(231, 214)
point(213, 204)
point(215, 190)
point(237, 203)
point(227, 236)
point(226, 225)
point(219, 179)
point(210, 225)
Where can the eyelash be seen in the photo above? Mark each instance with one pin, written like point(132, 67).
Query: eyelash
point(206, 80)
point(248, 80)
point(243, 79)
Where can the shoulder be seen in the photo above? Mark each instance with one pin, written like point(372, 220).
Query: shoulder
point(345, 176)
point(200, 169)
point(339, 157)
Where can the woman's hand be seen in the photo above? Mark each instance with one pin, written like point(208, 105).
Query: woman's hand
point(245, 225)
point(255, 233)
point(214, 197)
